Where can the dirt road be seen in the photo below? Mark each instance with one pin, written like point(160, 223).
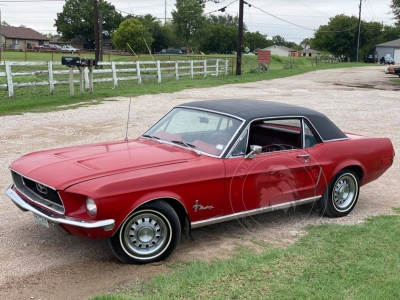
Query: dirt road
point(38, 263)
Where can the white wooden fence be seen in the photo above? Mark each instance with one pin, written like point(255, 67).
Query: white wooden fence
point(137, 70)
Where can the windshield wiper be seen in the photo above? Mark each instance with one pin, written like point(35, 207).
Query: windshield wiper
point(155, 138)
point(189, 146)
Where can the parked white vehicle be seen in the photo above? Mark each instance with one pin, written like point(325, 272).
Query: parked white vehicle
point(69, 48)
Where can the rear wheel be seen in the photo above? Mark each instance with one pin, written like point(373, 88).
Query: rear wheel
point(148, 235)
point(341, 195)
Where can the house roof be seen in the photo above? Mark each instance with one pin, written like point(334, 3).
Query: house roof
point(280, 47)
point(22, 33)
point(394, 43)
point(312, 51)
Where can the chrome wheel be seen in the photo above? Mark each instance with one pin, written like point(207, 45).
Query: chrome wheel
point(344, 192)
point(146, 234)
point(341, 195)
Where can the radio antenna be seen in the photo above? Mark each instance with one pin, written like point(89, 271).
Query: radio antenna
point(127, 123)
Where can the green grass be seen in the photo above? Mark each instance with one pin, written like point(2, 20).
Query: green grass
point(331, 262)
point(38, 98)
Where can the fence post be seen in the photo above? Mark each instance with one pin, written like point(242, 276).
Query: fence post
point(90, 80)
point(177, 70)
point(71, 81)
point(226, 67)
point(159, 71)
point(51, 77)
point(114, 74)
point(217, 68)
point(205, 68)
point(87, 82)
point(139, 78)
point(191, 69)
point(10, 84)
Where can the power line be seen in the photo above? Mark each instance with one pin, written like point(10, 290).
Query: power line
point(312, 8)
point(300, 26)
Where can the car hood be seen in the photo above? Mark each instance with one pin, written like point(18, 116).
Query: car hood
point(61, 168)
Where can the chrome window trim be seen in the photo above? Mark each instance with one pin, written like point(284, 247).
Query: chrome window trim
point(336, 140)
point(267, 118)
point(206, 110)
point(303, 135)
point(253, 212)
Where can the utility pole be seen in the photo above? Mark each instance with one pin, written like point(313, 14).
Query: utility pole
point(96, 30)
point(240, 40)
point(359, 29)
point(165, 20)
point(100, 35)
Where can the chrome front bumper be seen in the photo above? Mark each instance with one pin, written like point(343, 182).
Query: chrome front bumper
point(107, 225)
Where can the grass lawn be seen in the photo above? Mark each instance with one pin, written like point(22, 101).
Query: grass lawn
point(38, 98)
point(331, 262)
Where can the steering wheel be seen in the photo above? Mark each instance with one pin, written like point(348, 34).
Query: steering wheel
point(220, 141)
point(273, 148)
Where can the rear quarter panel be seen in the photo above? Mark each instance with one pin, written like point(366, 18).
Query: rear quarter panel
point(366, 153)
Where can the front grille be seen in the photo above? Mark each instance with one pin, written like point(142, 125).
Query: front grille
point(38, 192)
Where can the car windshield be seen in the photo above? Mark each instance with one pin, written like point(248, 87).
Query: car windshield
point(199, 131)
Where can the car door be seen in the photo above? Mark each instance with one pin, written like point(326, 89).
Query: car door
point(279, 175)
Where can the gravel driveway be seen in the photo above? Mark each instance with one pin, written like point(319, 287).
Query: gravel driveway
point(43, 264)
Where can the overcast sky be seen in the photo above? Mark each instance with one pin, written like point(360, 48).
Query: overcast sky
point(40, 14)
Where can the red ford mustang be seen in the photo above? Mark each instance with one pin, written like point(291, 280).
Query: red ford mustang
point(203, 163)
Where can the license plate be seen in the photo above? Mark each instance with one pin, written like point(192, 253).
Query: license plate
point(41, 220)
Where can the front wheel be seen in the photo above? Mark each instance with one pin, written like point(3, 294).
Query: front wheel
point(341, 195)
point(148, 235)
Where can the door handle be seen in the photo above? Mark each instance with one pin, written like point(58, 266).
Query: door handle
point(305, 156)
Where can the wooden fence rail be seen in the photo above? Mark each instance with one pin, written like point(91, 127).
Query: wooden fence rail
point(113, 72)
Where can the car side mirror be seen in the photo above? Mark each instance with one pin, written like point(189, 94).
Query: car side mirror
point(254, 149)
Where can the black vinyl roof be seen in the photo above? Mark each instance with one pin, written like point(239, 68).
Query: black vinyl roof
point(250, 110)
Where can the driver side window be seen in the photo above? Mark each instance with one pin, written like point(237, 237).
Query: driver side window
point(276, 135)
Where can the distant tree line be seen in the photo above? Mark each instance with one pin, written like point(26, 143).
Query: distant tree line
point(190, 27)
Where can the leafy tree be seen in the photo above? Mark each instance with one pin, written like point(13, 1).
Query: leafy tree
point(256, 40)
point(307, 43)
point(132, 32)
point(219, 34)
point(174, 41)
point(4, 23)
point(76, 19)
point(395, 7)
point(339, 37)
point(278, 40)
point(188, 19)
point(158, 32)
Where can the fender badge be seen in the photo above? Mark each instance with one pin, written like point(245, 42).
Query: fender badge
point(198, 206)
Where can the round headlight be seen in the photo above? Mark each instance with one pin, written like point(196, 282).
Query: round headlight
point(91, 207)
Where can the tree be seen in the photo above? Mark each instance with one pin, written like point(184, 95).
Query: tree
point(4, 23)
point(395, 7)
point(188, 19)
point(76, 19)
point(132, 32)
point(158, 32)
point(278, 40)
point(339, 37)
point(306, 43)
point(256, 40)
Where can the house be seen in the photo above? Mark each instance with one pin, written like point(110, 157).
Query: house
point(391, 48)
point(282, 51)
point(309, 53)
point(21, 38)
